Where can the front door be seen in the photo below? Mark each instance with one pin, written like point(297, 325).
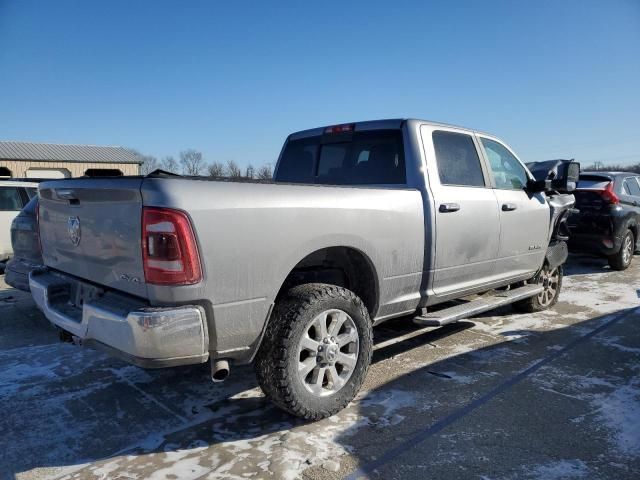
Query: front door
point(524, 218)
point(466, 212)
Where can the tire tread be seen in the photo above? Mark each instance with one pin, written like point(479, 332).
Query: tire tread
point(278, 343)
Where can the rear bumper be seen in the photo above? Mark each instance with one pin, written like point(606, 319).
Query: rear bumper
point(598, 244)
point(17, 273)
point(149, 337)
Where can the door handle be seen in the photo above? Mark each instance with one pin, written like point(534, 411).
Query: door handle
point(449, 207)
point(66, 193)
point(509, 207)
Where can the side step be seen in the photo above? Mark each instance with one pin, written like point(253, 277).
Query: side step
point(475, 307)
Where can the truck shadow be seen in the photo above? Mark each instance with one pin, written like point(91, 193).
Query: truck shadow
point(583, 264)
point(446, 391)
point(68, 406)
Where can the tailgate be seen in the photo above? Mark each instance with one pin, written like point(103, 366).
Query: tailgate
point(91, 228)
point(593, 215)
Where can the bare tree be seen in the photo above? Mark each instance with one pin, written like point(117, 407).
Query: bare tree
point(614, 168)
point(169, 164)
point(233, 170)
point(149, 164)
point(191, 161)
point(265, 173)
point(250, 172)
point(216, 169)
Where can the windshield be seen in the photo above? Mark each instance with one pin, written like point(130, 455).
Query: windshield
point(364, 158)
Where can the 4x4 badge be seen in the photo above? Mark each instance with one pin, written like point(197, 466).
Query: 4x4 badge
point(73, 227)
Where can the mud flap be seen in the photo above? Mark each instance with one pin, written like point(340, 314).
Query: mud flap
point(557, 254)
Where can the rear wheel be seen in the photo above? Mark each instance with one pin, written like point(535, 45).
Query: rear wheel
point(316, 350)
point(622, 259)
point(551, 281)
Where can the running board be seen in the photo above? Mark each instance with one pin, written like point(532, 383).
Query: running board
point(475, 307)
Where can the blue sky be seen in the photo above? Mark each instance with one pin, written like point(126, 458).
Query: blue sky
point(232, 79)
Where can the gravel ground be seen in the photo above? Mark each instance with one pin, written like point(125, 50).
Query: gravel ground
point(546, 396)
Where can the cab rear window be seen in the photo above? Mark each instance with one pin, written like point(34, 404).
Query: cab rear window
point(363, 158)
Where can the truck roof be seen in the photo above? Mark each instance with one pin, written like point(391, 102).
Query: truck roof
point(382, 124)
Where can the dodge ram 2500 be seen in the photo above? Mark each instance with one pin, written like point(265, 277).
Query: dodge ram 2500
point(363, 222)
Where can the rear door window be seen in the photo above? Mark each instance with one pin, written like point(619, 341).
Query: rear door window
point(10, 199)
point(631, 187)
point(373, 157)
point(297, 162)
point(457, 159)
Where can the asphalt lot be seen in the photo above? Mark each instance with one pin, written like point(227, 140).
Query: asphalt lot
point(545, 396)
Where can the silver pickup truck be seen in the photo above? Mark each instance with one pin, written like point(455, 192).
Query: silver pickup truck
point(363, 222)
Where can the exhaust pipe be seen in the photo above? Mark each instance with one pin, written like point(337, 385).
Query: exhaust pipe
point(219, 370)
point(64, 336)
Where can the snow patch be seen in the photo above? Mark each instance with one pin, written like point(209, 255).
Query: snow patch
point(561, 470)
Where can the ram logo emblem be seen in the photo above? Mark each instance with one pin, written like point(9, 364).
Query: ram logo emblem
point(73, 227)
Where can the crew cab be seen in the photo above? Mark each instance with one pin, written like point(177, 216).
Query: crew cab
point(362, 223)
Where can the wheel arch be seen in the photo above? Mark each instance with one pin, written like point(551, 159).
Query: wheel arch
point(343, 266)
point(633, 226)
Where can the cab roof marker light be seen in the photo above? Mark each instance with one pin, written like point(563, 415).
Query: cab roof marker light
point(344, 128)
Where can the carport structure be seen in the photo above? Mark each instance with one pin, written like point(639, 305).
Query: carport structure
point(51, 160)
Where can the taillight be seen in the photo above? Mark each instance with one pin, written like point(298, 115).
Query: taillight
point(609, 195)
point(345, 128)
point(169, 249)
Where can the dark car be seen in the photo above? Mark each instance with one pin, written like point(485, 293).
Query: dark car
point(608, 218)
point(26, 247)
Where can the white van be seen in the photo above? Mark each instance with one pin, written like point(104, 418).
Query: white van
point(14, 195)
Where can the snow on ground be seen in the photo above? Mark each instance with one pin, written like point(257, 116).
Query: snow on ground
point(564, 469)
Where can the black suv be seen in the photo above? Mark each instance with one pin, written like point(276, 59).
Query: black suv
point(607, 224)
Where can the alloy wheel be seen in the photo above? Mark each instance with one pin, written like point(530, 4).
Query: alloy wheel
point(328, 352)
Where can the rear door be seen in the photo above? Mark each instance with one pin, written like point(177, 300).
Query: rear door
point(466, 212)
point(524, 218)
point(630, 192)
point(631, 198)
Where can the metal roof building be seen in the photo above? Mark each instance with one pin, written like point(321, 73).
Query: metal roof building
point(51, 160)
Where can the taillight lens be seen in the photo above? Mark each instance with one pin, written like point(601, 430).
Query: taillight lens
point(169, 248)
point(609, 195)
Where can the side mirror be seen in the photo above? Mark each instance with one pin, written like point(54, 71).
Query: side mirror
point(570, 180)
point(559, 175)
point(536, 186)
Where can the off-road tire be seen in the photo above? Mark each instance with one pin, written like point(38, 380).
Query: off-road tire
point(535, 304)
point(622, 259)
point(276, 362)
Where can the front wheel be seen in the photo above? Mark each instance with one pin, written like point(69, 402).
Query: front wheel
point(551, 281)
point(316, 350)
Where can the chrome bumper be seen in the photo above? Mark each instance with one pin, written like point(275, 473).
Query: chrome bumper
point(146, 336)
